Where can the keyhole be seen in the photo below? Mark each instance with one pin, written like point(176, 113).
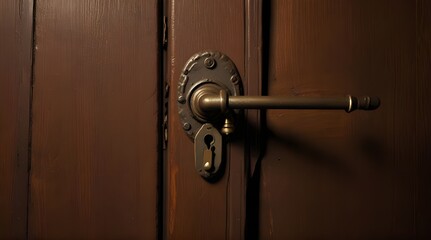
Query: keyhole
point(209, 152)
point(209, 140)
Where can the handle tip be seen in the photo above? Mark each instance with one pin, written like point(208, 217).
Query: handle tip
point(374, 103)
point(368, 103)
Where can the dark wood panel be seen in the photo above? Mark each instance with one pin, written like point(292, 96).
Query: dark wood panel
point(16, 19)
point(423, 118)
point(196, 209)
point(336, 175)
point(95, 114)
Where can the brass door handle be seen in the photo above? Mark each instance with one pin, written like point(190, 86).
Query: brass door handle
point(209, 96)
point(207, 102)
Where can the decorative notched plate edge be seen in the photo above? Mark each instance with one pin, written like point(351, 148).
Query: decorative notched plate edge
point(202, 68)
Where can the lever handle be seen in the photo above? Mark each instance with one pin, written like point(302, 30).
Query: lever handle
point(209, 93)
point(205, 103)
point(348, 103)
point(221, 102)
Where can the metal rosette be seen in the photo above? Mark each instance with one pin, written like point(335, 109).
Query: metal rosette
point(209, 68)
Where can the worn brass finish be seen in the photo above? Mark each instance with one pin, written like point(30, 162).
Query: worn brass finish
point(206, 74)
point(228, 126)
point(212, 102)
point(209, 98)
point(204, 92)
point(208, 151)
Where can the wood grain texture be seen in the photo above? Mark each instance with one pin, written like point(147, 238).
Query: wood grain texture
point(16, 19)
point(328, 174)
point(196, 209)
point(423, 119)
point(95, 120)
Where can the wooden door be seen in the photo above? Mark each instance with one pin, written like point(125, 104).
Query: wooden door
point(328, 174)
point(82, 107)
point(308, 173)
point(94, 120)
point(15, 75)
point(195, 208)
point(79, 119)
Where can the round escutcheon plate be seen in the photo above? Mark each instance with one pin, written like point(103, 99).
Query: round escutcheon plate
point(208, 68)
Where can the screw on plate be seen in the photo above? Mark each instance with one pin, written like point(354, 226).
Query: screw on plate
point(209, 62)
point(187, 126)
point(234, 79)
point(181, 99)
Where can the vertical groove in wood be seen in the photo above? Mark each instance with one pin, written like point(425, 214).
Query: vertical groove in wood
point(253, 77)
point(254, 140)
point(16, 19)
point(95, 120)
